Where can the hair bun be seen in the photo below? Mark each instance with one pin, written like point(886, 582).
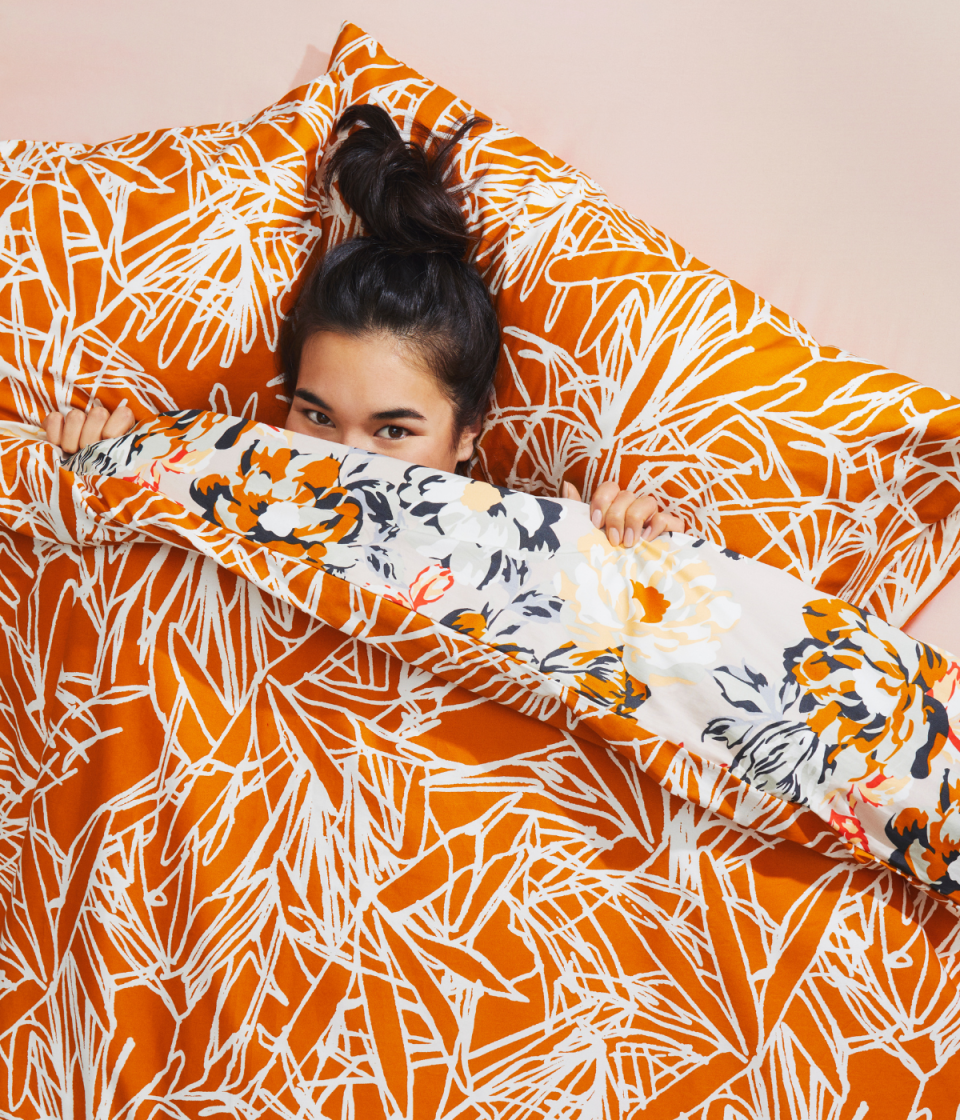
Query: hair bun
point(397, 188)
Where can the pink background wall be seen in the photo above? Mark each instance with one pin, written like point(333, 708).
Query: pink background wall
point(810, 151)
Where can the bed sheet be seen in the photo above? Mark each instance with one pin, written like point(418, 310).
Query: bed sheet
point(277, 841)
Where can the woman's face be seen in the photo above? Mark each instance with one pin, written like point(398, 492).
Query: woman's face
point(373, 393)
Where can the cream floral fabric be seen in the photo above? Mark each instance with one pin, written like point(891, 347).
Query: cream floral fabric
point(802, 696)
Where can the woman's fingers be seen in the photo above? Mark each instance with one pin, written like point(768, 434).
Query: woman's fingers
point(627, 517)
point(603, 497)
point(93, 425)
point(662, 523)
point(120, 421)
point(617, 514)
point(78, 429)
point(53, 426)
point(568, 490)
point(638, 518)
point(70, 432)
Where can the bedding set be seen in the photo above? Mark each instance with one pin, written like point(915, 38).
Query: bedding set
point(338, 787)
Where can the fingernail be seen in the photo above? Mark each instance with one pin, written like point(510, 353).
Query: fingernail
point(628, 538)
point(597, 518)
point(647, 530)
point(613, 536)
point(122, 403)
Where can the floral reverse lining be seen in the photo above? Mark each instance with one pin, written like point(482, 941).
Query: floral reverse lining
point(800, 695)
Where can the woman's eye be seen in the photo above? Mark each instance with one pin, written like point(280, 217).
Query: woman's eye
point(321, 419)
point(393, 431)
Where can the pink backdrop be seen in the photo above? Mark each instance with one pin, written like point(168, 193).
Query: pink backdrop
point(810, 151)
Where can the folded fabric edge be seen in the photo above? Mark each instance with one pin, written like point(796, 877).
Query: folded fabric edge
point(472, 664)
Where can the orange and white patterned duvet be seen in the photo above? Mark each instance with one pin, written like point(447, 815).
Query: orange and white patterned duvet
point(279, 840)
point(345, 858)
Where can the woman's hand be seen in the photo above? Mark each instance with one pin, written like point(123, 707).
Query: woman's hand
point(79, 429)
point(626, 517)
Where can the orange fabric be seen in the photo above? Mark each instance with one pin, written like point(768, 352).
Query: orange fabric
point(250, 865)
point(152, 267)
point(258, 865)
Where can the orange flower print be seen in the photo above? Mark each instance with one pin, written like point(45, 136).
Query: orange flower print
point(285, 499)
point(859, 728)
point(471, 623)
point(946, 690)
point(868, 687)
point(851, 830)
point(870, 694)
point(927, 844)
point(606, 681)
point(429, 585)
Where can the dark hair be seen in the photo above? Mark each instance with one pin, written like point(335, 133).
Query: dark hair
point(412, 274)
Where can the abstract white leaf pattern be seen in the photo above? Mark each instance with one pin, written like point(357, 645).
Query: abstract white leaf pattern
point(129, 266)
point(253, 866)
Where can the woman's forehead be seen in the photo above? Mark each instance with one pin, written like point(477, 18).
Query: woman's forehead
point(375, 373)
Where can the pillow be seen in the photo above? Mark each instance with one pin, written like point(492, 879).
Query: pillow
point(156, 267)
point(625, 357)
point(152, 267)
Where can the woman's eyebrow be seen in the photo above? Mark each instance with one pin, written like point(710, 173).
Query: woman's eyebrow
point(312, 398)
point(398, 414)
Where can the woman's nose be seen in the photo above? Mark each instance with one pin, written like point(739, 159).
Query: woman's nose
point(348, 437)
point(353, 437)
